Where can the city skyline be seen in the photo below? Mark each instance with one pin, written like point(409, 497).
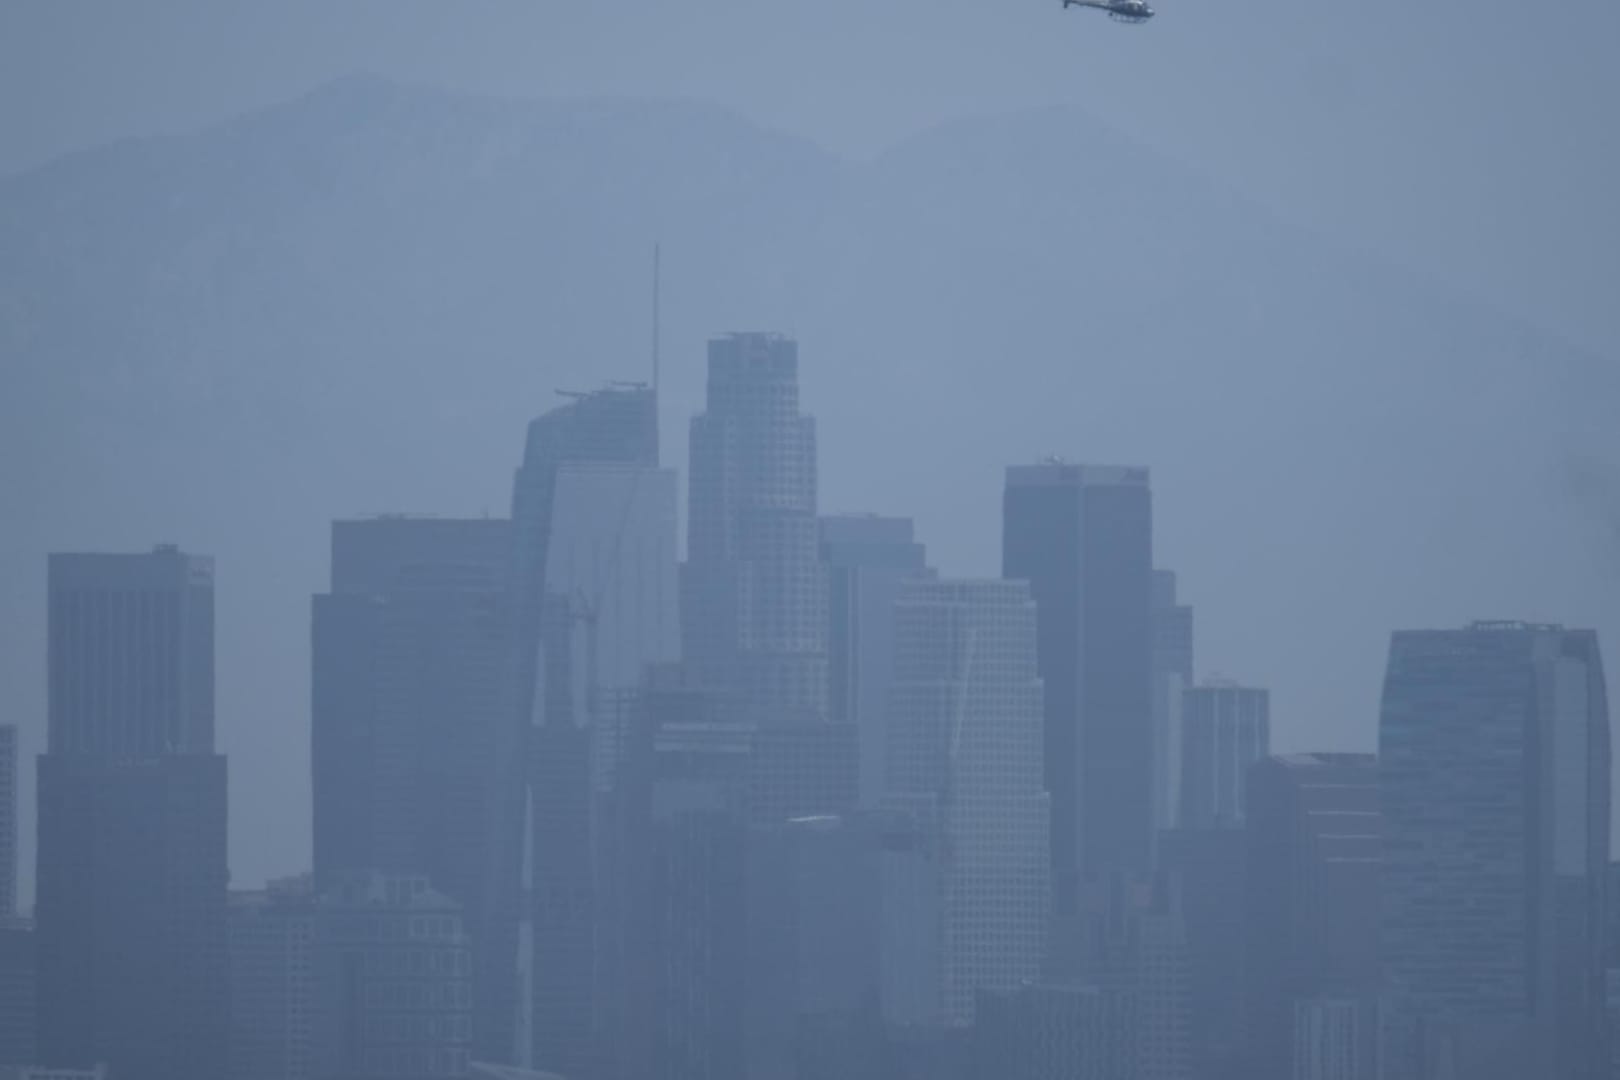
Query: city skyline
point(593, 864)
point(808, 542)
point(1287, 742)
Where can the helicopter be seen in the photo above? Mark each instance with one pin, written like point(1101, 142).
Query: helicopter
point(1131, 11)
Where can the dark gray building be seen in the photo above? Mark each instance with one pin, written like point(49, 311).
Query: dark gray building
point(392, 981)
point(418, 739)
point(594, 522)
point(814, 938)
point(1211, 865)
point(1133, 941)
point(8, 821)
point(1172, 673)
point(1315, 858)
point(1494, 772)
point(1225, 729)
point(130, 913)
point(17, 991)
point(1082, 536)
point(867, 558)
point(272, 968)
point(753, 591)
point(1055, 1030)
point(615, 425)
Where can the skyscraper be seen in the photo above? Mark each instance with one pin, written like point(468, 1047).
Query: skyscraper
point(417, 740)
point(1225, 728)
point(753, 592)
point(18, 1012)
point(1059, 1030)
point(272, 933)
point(132, 822)
point(8, 821)
point(1494, 770)
point(1315, 858)
point(596, 583)
point(965, 760)
point(867, 557)
point(813, 912)
point(1133, 941)
point(1172, 673)
point(617, 425)
point(392, 981)
point(1082, 536)
point(610, 555)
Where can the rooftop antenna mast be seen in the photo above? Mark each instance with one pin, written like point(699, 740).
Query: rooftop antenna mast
point(655, 326)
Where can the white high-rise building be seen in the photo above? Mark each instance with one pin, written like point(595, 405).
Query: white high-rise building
point(1225, 728)
point(754, 593)
point(965, 758)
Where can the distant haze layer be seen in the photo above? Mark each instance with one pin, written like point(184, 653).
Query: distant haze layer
point(354, 302)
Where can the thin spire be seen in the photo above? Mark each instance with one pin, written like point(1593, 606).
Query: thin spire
point(655, 325)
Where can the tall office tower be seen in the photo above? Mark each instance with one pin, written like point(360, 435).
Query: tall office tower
point(813, 911)
point(1133, 941)
point(392, 981)
point(595, 524)
point(1335, 1039)
point(1225, 728)
point(561, 954)
point(697, 887)
point(1494, 770)
point(801, 769)
point(753, 592)
point(17, 961)
point(672, 956)
point(867, 557)
point(132, 822)
point(965, 758)
point(418, 748)
point(1315, 857)
point(8, 821)
point(17, 981)
point(1172, 673)
point(272, 933)
point(1082, 536)
point(1211, 866)
point(1059, 1030)
point(610, 560)
point(616, 426)
point(608, 613)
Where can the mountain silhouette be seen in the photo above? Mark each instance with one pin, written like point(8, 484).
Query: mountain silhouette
point(353, 302)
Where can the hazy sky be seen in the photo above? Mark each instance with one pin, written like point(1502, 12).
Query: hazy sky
point(1471, 139)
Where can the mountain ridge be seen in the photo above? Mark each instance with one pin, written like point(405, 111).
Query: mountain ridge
point(357, 299)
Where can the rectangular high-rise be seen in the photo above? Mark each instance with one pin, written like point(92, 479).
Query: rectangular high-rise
point(18, 967)
point(8, 821)
point(1315, 857)
point(272, 998)
point(594, 523)
point(867, 558)
point(1494, 775)
point(391, 978)
point(1172, 674)
point(417, 735)
point(965, 760)
point(1225, 728)
point(132, 872)
point(753, 593)
point(1082, 536)
point(813, 915)
point(615, 425)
